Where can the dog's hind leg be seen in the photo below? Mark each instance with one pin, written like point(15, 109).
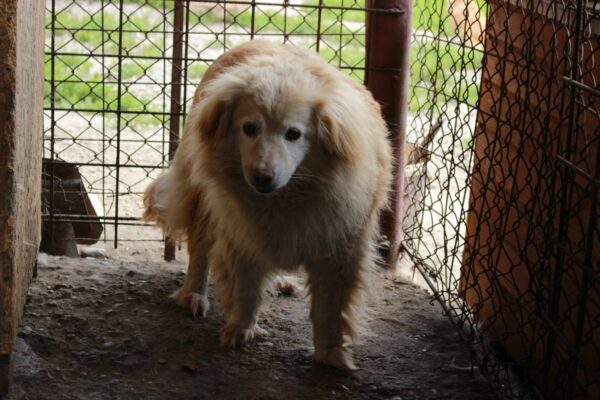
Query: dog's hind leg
point(239, 281)
point(194, 292)
point(336, 288)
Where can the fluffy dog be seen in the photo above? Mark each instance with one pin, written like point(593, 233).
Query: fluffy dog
point(284, 162)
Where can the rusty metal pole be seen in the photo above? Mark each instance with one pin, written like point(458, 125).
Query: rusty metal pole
point(389, 30)
point(175, 113)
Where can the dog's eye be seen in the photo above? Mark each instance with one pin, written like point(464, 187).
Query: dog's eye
point(292, 134)
point(249, 129)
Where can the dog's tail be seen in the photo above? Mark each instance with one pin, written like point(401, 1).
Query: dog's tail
point(169, 206)
point(153, 211)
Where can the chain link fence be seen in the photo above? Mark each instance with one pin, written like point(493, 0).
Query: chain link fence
point(120, 75)
point(501, 194)
point(504, 209)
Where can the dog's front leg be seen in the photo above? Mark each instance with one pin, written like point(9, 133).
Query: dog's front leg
point(239, 283)
point(335, 289)
point(194, 292)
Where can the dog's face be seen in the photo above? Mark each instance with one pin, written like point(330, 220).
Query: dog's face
point(273, 139)
point(273, 120)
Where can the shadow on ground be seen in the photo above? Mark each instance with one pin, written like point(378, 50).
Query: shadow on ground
point(103, 329)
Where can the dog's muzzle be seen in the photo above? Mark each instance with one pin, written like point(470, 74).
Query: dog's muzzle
point(264, 181)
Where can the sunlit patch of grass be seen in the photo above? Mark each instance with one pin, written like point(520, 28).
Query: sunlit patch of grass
point(441, 72)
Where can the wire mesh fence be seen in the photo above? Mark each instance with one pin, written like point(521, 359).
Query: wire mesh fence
point(120, 75)
point(504, 209)
point(502, 182)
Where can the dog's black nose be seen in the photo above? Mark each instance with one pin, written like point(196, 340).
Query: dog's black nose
point(263, 180)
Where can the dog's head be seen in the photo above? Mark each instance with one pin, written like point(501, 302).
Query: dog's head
point(277, 119)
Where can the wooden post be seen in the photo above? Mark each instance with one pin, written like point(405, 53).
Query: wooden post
point(387, 76)
point(21, 125)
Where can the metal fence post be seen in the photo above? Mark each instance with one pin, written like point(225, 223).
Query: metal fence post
point(176, 100)
point(387, 76)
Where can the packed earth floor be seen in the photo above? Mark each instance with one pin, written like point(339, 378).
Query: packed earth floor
point(106, 329)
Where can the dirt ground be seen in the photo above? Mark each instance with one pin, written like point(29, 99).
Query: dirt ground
point(105, 329)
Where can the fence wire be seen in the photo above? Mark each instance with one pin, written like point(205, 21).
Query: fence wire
point(504, 209)
point(120, 75)
point(502, 183)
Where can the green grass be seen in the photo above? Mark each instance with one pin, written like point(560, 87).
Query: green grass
point(442, 72)
point(437, 66)
point(83, 82)
point(433, 15)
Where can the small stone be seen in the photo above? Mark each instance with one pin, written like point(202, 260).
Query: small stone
point(61, 286)
point(92, 252)
point(25, 331)
point(190, 367)
point(162, 360)
point(42, 260)
point(107, 345)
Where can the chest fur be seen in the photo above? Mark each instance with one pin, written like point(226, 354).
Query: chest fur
point(289, 234)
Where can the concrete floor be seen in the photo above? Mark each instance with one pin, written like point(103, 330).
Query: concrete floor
point(105, 329)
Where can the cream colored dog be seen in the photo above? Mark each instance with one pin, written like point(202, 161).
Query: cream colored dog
point(284, 162)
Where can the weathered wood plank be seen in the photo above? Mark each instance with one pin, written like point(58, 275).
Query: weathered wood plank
point(21, 113)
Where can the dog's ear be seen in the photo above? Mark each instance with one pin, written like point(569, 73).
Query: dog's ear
point(336, 132)
point(212, 120)
point(210, 115)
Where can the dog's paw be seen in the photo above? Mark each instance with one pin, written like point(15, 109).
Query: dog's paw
point(338, 356)
point(193, 301)
point(233, 335)
point(287, 286)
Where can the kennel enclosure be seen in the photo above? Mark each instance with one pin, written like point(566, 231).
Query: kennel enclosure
point(502, 104)
point(121, 75)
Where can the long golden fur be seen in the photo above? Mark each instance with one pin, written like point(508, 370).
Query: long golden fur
point(280, 115)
